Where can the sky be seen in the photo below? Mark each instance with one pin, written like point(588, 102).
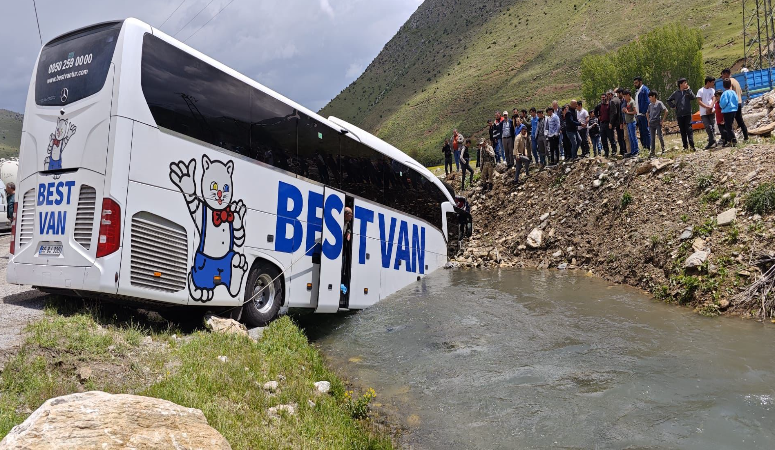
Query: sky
point(307, 50)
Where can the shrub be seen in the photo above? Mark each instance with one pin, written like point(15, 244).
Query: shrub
point(626, 199)
point(706, 228)
point(704, 182)
point(761, 200)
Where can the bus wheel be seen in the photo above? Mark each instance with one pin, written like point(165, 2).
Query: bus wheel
point(263, 297)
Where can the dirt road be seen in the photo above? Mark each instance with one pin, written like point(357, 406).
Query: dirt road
point(18, 305)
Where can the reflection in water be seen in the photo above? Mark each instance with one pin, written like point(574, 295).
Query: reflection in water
point(520, 359)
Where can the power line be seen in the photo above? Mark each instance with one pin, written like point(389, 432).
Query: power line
point(192, 19)
point(173, 12)
point(211, 18)
point(38, 22)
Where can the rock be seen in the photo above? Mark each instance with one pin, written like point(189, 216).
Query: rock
point(275, 411)
point(557, 254)
point(563, 266)
point(712, 269)
point(751, 175)
point(727, 217)
point(723, 304)
point(756, 217)
point(147, 340)
point(696, 260)
point(596, 184)
point(567, 170)
point(311, 403)
point(544, 217)
point(107, 421)
point(323, 386)
point(258, 332)
point(222, 359)
point(744, 273)
point(698, 244)
point(763, 130)
point(270, 386)
point(535, 238)
point(222, 325)
point(521, 247)
point(84, 373)
point(686, 234)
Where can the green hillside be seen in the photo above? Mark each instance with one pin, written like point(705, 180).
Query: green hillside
point(10, 133)
point(455, 62)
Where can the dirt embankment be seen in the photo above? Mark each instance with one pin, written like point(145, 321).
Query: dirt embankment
point(643, 223)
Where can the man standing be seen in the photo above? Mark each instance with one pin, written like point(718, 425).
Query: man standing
point(630, 111)
point(488, 161)
point(706, 97)
point(507, 138)
point(606, 133)
point(641, 107)
point(447, 150)
point(726, 74)
point(553, 136)
point(583, 116)
point(456, 149)
point(496, 134)
point(521, 154)
point(539, 130)
point(534, 133)
point(656, 115)
point(571, 129)
point(10, 197)
point(616, 120)
point(464, 158)
point(558, 113)
point(681, 101)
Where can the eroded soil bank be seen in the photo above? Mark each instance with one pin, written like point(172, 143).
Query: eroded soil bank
point(636, 222)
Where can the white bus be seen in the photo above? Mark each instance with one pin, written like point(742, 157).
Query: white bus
point(149, 171)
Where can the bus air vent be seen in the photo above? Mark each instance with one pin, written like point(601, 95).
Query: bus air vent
point(84, 216)
point(158, 246)
point(26, 219)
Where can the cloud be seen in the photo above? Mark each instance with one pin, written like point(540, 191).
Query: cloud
point(354, 71)
point(326, 7)
point(283, 45)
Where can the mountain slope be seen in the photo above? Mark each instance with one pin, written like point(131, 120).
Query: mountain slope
point(455, 62)
point(10, 133)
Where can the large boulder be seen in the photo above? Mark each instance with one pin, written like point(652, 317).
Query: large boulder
point(536, 238)
point(113, 421)
point(223, 325)
point(727, 217)
point(696, 259)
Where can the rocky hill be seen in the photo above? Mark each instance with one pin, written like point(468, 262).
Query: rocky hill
point(10, 133)
point(686, 227)
point(455, 62)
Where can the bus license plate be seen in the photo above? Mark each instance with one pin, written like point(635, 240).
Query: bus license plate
point(50, 250)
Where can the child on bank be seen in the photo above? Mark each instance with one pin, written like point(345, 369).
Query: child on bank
point(720, 115)
point(655, 116)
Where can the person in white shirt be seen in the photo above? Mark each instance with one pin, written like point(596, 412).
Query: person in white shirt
point(705, 97)
point(583, 116)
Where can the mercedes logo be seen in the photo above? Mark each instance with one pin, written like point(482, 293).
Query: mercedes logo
point(64, 94)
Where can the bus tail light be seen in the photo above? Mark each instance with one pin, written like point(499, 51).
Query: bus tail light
point(109, 239)
point(13, 228)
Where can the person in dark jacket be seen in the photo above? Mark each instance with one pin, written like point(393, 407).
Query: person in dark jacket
point(602, 112)
point(464, 159)
point(572, 129)
point(10, 198)
point(617, 124)
point(507, 134)
point(681, 101)
point(447, 150)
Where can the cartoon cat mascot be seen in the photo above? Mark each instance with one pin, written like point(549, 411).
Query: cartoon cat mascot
point(221, 225)
point(57, 143)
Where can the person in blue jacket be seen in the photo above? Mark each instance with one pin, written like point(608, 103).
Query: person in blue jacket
point(642, 105)
point(729, 103)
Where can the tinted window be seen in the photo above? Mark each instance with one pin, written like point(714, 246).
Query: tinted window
point(272, 130)
point(317, 152)
point(189, 96)
point(359, 166)
point(75, 66)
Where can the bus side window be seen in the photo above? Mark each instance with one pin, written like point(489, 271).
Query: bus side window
point(358, 168)
point(318, 146)
point(272, 130)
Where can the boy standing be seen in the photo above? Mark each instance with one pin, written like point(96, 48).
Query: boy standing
point(681, 100)
point(594, 133)
point(720, 117)
point(729, 105)
point(656, 115)
point(629, 119)
point(705, 97)
point(553, 136)
point(447, 150)
point(521, 154)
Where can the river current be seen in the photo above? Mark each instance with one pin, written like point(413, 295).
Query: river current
point(476, 359)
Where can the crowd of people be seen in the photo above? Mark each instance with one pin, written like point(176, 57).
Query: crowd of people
point(625, 119)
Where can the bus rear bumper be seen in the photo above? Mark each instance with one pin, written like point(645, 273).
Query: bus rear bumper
point(58, 277)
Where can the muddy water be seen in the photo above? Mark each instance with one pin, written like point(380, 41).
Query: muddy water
point(534, 359)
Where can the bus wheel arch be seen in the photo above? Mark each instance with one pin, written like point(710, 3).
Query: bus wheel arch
point(264, 293)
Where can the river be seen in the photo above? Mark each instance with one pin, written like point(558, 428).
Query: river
point(534, 359)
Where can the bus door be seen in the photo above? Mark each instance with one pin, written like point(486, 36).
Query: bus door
point(330, 268)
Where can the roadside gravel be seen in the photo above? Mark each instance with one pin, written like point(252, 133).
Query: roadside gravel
point(19, 305)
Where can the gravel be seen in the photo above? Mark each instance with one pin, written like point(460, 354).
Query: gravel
point(19, 305)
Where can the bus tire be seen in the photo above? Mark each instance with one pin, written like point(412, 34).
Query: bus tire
point(264, 308)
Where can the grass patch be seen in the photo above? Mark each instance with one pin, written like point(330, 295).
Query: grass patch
point(626, 199)
point(187, 371)
point(761, 200)
point(703, 182)
point(712, 196)
point(706, 228)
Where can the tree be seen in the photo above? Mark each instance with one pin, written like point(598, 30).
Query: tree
point(661, 57)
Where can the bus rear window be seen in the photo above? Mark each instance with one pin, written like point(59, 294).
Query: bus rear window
point(75, 66)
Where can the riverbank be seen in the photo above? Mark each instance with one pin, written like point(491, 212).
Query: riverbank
point(660, 225)
point(240, 384)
